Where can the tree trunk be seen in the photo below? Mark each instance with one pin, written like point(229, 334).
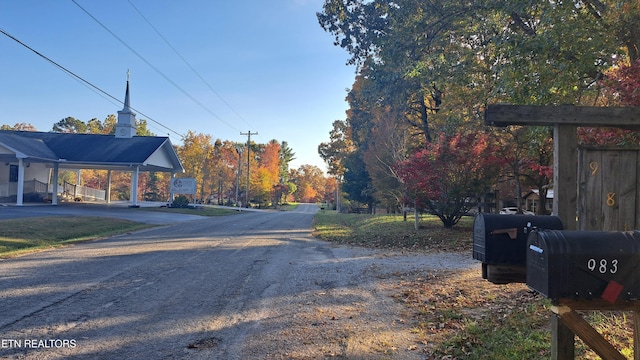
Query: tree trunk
point(415, 215)
point(424, 114)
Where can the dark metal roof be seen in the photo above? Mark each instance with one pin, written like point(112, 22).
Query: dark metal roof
point(90, 149)
point(31, 147)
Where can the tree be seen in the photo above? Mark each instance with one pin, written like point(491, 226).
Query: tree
point(70, 125)
point(19, 127)
point(399, 49)
point(94, 126)
point(280, 193)
point(388, 145)
point(286, 157)
point(267, 174)
point(224, 170)
point(528, 157)
point(109, 124)
point(309, 183)
point(620, 87)
point(330, 190)
point(195, 155)
point(340, 145)
point(622, 18)
point(448, 177)
point(357, 184)
point(142, 129)
point(438, 63)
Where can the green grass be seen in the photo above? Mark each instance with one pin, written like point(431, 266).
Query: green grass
point(390, 231)
point(18, 236)
point(520, 335)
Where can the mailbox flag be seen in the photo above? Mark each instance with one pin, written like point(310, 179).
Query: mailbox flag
point(612, 292)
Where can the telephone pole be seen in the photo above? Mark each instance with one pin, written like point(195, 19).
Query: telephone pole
point(248, 163)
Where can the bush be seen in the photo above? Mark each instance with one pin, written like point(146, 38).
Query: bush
point(180, 201)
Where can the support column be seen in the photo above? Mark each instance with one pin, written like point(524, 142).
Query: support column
point(565, 197)
point(562, 340)
point(134, 187)
point(54, 190)
point(565, 174)
point(171, 194)
point(20, 195)
point(107, 194)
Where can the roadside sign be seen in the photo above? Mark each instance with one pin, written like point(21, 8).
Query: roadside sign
point(183, 186)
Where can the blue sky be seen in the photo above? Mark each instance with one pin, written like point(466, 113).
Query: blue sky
point(275, 70)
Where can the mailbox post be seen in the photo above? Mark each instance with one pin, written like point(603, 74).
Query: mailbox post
point(565, 120)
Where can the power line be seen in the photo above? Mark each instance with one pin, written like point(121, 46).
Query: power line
point(153, 67)
point(187, 63)
point(83, 81)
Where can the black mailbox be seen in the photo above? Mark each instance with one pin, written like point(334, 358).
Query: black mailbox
point(500, 242)
point(584, 265)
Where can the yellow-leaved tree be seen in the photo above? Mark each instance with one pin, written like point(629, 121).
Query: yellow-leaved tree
point(196, 154)
point(267, 176)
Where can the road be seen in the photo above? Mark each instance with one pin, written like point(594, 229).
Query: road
point(244, 286)
point(153, 293)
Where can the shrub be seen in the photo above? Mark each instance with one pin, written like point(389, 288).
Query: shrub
point(180, 201)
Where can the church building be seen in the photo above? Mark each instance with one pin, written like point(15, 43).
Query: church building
point(30, 161)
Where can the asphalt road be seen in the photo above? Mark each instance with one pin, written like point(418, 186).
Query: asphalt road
point(192, 289)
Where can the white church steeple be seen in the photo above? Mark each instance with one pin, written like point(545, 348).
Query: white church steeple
point(126, 126)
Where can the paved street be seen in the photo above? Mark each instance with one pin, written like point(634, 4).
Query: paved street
point(155, 294)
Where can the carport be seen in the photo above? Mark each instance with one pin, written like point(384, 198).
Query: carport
point(32, 155)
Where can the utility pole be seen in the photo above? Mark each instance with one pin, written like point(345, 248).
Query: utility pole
point(239, 151)
point(248, 163)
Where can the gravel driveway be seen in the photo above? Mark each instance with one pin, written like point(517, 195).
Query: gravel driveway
point(248, 286)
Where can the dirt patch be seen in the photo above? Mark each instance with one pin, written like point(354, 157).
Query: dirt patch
point(356, 308)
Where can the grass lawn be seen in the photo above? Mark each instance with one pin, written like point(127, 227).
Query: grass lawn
point(18, 236)
point(23, 235)
point(390, 231)
point(458, 315)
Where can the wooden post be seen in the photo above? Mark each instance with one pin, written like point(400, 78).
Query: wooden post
point(588, 334)
point(562, 340)
point(565, 171)
point(636, 334)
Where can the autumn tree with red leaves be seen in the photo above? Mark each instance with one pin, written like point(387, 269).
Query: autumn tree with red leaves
point(449, 175)
point(620, 86)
